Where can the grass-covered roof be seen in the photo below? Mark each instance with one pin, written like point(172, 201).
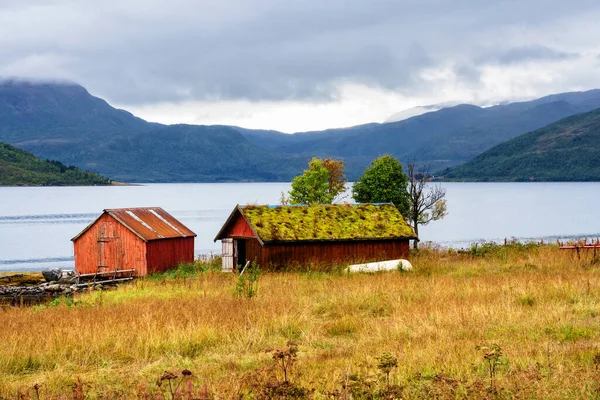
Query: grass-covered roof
point(327, 222)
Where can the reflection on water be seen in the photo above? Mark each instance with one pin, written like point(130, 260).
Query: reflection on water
point(48, 219)
point(37, 224)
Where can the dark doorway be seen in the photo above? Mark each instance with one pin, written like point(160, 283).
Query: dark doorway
point(240, 252)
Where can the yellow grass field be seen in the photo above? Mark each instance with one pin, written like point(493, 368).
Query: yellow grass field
point(538, 304)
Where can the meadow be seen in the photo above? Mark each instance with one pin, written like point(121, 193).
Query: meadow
point(514, 321)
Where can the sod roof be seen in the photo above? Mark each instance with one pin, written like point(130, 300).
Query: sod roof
point(324, 222)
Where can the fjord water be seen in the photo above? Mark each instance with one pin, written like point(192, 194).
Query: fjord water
point(37, 223)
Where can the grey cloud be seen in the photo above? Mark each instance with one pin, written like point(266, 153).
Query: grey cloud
point(135, 52)
point(521, 54)
point(467, 73)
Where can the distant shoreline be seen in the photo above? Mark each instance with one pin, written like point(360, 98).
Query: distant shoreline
point(112, 183)
point(115, 183)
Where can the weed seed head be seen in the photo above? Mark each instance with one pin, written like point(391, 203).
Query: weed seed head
point(167, 376)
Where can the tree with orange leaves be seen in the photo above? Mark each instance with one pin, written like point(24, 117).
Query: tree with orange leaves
point(322, 183)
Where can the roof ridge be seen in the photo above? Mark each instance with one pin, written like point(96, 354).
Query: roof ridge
point(148, 223)
point(133, 208)
point(313, 205)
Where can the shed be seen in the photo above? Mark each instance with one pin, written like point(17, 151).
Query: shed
point(148, 240)
point(277, 236)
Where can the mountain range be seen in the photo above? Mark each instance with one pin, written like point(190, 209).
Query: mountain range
point(442, 138)
point(413, 112)
point(64, 122)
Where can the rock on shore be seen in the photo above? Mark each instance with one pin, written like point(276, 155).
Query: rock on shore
point(58, 282)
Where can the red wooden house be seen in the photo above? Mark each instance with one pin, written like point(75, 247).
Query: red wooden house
point(148, 240)
point(277, 236)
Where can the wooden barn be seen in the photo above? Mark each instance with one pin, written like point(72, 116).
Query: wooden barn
point(278, 236)
point(148, 240)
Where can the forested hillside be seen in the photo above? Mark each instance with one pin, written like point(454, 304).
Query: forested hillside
point(568, 150)
point(21, 168)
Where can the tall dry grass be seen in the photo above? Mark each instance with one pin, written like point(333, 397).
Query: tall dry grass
point(539, 304)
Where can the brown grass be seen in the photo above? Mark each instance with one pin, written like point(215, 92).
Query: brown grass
point(539, 304)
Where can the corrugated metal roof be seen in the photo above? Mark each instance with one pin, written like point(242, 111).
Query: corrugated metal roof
point(148, 223)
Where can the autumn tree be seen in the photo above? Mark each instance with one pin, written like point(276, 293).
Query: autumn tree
point(426, 202)
point(383, 181)
point(337, 179)
point(322, 183)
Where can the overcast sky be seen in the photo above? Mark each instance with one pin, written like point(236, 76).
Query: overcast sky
point(298, 65)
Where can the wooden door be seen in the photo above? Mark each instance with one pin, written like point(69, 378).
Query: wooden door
point(109, 249)
point(227, 254)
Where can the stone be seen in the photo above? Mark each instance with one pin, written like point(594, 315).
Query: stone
point(52, 274)
point(55, 287)
point(68, 278)
point(390, 265)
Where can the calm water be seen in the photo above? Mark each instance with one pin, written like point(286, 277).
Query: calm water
point(36, 224)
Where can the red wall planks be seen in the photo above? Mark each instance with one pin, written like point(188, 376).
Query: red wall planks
point(240, 228)
point(169, 253)
point(276, 256)
point(109, 244)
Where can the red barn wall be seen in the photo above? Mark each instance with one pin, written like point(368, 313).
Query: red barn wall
point(166, 254)
point(239, 228)
point(254, 251)
point(276, 256)
point(109, 243)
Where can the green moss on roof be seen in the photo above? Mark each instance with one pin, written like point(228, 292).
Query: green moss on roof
point(327, 222)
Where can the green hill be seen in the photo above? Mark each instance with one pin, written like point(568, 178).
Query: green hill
point(21, 168)
point(567, 150)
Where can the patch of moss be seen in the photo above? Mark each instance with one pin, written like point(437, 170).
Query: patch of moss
point(21, 278)
point(327, 222)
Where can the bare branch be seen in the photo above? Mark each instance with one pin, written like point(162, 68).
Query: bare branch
point(427, 203)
